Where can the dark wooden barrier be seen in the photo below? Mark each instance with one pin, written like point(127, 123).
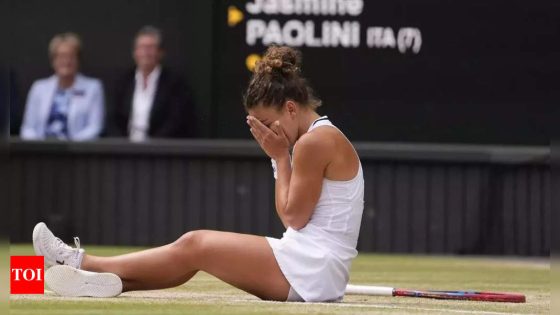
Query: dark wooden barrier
point(420, 198)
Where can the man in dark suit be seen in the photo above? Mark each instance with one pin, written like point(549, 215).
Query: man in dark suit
point(151, 101)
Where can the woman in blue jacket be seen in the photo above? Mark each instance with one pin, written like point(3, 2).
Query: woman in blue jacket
point(66, 105)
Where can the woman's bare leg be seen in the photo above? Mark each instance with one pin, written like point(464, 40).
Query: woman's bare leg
point(244, 261)
point(144, 270)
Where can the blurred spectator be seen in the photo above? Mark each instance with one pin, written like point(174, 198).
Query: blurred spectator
point(67, 105)
point(151, 100)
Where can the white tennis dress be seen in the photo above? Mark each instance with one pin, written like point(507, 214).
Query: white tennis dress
point(316, 259)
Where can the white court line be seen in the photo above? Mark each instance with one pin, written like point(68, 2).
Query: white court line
point(381, 306)
point(356, 305)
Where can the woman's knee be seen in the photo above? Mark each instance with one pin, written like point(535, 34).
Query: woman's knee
point(187, 249)
point(191, 241)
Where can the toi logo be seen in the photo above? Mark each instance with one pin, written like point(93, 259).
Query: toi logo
point(27, 275)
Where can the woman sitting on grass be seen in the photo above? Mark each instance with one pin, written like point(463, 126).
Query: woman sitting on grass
point(319, 199)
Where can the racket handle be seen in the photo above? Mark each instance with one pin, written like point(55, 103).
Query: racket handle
point(353, 289)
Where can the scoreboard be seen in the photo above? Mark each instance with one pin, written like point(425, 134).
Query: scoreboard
point(472, 71)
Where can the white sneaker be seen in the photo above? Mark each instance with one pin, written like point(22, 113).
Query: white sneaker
point(68, 281)
point(54, 250)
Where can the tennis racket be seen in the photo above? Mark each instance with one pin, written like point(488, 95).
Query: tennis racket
point(436, 294)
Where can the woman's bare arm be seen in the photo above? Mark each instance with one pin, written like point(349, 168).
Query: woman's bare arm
point(298, 188)
point(298, 184)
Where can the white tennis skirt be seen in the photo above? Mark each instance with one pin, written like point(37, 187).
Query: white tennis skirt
point(317, 270)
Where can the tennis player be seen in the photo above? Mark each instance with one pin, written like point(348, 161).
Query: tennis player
point(319, 199)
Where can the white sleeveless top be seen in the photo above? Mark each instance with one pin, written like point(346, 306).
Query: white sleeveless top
point(316, 259)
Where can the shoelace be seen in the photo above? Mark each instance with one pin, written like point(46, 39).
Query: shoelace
point(63, 246)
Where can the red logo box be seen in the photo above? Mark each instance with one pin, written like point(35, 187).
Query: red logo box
point(27, 275)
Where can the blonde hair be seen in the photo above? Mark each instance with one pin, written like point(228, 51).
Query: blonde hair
point(69, 38)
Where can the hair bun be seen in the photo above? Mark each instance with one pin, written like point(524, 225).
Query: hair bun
point(282, 60)
point(277, 78)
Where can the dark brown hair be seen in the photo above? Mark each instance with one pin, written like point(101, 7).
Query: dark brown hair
point(277, 78)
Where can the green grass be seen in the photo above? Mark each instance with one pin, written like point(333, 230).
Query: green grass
point(206, 295)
